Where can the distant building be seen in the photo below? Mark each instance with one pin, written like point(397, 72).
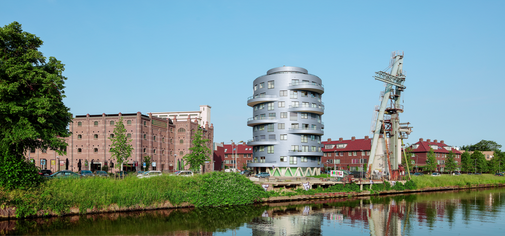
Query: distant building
point(350, 154)
point(228, 156)
point(165, 140)
point(202, 116)
point(488, 154)
point(421, 149)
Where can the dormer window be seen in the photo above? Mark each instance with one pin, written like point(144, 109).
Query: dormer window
point(415, 146)
point(435, 147)
point(343, 145)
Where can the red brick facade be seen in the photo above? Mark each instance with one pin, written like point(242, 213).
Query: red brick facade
point(348, 154)
point(421, 149)
point(228, 155)
point(89, 143)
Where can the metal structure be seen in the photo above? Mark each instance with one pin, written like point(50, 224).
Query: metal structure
point(386, 154)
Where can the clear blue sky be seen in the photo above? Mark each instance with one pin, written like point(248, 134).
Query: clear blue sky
point(153, 56)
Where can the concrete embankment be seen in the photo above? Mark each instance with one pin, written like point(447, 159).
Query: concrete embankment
point(9, 212)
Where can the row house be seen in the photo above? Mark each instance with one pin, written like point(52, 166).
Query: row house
point(164, 140)
point(232, 155)
point(420, 150)
point(350, 154)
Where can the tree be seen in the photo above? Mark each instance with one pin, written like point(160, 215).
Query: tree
point(121, 148)
point(431, 161)
point(199, 152)
point(483, 145)
point(147, 160)
point(450, 162)
point(409, 162)
point(480, 161)
point(466, 162)
point(32, 113)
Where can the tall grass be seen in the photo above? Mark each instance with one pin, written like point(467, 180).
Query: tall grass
point(456, 180)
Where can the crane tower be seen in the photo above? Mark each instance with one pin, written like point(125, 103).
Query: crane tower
point(385, 154)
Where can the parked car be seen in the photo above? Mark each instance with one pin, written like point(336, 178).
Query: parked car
point(101, 173)
point(499, 174)
point(456, 173)
point(185, 173)
point(120, 174)
point(435, 174)
point(418, 174)
point(45, 172)
point(262, 175)
point(246, 173)
point(86, 173)
point(358, 174)
point(64, 174)
point(149, 174)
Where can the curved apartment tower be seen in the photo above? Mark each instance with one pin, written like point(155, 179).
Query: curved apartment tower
point(287, 125)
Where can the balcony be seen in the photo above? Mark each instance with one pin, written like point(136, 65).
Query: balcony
point(318, 88)
point(305, 131)
point(261, 142)
point(261, 120)
point(316, 110)
point(255, 100)
point(304, 153)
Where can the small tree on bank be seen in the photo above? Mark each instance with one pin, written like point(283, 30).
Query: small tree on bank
point(199, 152)
point(450, 164)
point(121, 148)
point(466, 162)
point(32, 113)
point(147, 160)
point(431, 161)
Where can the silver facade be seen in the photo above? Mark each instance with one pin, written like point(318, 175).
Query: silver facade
point(287, 119)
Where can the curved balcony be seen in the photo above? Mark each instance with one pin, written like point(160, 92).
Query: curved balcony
point(302, 153)
point(252, 100)
point(261, 142)
point(317, 110)
point(305, 131)
point(258, 163)
point(265, 120)
point(318, 88)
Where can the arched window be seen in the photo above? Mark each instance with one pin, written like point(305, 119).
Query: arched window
point(128, 122)
point(96, 149)
point(129, 135)
point(144, 150)
point(181, 130)
point(79, 136)
point(79, 150)
point(96, 136)
point(154, 138)
point(79, 124)
point(145, 136)
point(154, 151)
point(181, 153)
point(96, 123)
point(182, 141)
point(111, 135)
point(111, 122)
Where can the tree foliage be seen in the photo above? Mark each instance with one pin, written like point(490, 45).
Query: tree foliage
point(483, 145)
point(32, 113)
point(121, 148)
point(466, 162)
point(147, 160)
point(450, 164)
point(199, 152)
point(431, 161)
point(480, 163)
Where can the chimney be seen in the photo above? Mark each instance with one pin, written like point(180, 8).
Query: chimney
point(366, 137)
point(341, 139)
point(353, 138)
point(329, 139)
point(428, 140)
point(435, 141)
point(442, 141)
point(420, 139)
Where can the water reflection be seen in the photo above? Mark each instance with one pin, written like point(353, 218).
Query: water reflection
point(458, 212)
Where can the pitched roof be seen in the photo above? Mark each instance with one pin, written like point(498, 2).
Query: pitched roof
point(352, 145)
point(438, 147)
point(240, 148)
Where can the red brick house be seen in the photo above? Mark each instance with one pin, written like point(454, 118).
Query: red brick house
point(421, 149)
point(228, 154)
point(350, 154)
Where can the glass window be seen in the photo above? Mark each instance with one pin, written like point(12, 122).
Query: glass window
point(79, 150)
point(281, 104)
point(294, 126)
point(283, 159)
point(271, 116)
point(284, 137)
point(283, 93)
point(95, 150)
point(305, 148)
point(79, 136)
point(304, 93)
point(181, 141)
point(270, 149)
point(293, 116)
point(154, 138)
point(294, 148)
point(262, 106)
point(304, 139)
point(129, 135)
point(95, 123)
point(95, 136)
point(293, 94)
point(303, 159)
point(271, 137)
point(294, 82)
point(271, 84)
point(271, 106)
point(270, 128)
point(280, 126)
point(262, 85)
point(255, 87)
point(304, 115)
point(262, 127)
point(284, 115)
point(111, 122)
point(262, 148)
point(111, 135)
point(79, 124)
point(292, 160)
point(294, 104)
point(128, 122)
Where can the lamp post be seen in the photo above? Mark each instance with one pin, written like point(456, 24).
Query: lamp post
point(58, 162)
point(334, 158)
point(475, 166)
point(232, 153)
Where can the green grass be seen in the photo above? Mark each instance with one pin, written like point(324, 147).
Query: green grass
point(427, 181)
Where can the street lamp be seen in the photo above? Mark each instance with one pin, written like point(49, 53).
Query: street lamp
point(334, 158)
point(475, 166)
point(58, 162)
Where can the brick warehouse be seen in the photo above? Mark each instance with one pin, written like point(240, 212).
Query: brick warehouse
point(165, 140)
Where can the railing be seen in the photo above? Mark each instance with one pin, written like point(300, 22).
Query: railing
point(261, 118)
point(306, 83)
point(302, 151)
point(261, 96)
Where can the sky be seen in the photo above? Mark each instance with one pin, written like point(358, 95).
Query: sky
point(158, 56)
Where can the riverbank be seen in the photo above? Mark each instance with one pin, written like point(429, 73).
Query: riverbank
point(99, 195)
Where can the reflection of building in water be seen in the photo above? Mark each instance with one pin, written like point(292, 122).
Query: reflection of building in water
point(291, 221)
point(385, 219)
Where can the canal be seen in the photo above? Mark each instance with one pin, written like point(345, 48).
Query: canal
point(468, 212)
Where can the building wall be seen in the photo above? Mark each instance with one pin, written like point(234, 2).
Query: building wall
point(202, 115)
point(287, 123)
point(349, 154)
point(420, 150)
point(150, 136)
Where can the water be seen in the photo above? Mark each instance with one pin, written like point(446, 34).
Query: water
point(469, 212)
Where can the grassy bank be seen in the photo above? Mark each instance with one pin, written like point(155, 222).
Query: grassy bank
point(60, 195)
point(456, 180)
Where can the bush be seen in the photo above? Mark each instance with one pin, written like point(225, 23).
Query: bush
point(18, 173)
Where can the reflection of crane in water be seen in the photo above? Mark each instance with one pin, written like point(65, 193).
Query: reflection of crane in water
point(385, 154)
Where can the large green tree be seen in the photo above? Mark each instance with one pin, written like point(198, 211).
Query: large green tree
point(32, 113)
point(199, 152)
point(466, 162)
point(431, 161)
point(480, 161)
point(483, 145)
point(120, 149)
point(450, 162)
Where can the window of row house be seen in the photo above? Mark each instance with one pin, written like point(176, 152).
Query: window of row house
point(79, 124)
